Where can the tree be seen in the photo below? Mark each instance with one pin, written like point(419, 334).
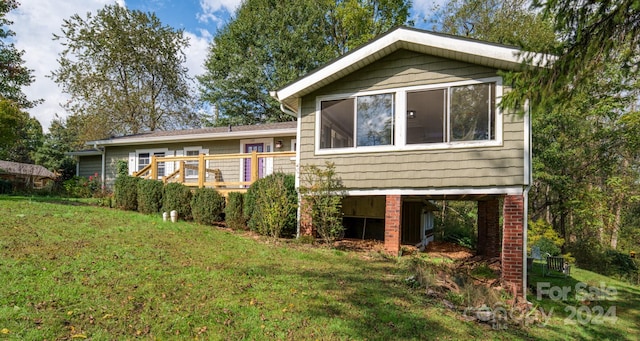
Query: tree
point(59, 141)
point(124, 71)
point(20, 134)
point(13, 74)
point(270, 43)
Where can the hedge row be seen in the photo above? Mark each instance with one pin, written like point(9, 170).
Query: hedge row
point(151, 196)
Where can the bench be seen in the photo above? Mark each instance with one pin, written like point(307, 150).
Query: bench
point(557, 264)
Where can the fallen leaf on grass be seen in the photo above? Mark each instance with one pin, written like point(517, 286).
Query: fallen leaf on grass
point(78, 336)
point(4, 331)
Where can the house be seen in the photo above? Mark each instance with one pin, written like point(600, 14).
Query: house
point(25, 175)
point(216, 151)
point(414, 116)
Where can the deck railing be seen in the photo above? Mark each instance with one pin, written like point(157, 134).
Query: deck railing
point(206, 169)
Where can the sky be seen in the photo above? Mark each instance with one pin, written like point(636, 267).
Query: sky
point(36, 21)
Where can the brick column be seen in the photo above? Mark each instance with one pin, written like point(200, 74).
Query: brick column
point(488, 228)
point(513, 242)
point(392, 221)
point(306, 222)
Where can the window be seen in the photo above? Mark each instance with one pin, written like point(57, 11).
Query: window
point(144, 159)
point(453, 114)
point(365, 120)
point(191, 172)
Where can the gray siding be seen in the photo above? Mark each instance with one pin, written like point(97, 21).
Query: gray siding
point(90, 165)
point(476, 167)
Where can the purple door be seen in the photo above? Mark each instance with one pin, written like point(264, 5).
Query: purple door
point(248, 148)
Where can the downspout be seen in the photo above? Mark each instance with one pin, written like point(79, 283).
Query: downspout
point(527, 188)
point(297, 174)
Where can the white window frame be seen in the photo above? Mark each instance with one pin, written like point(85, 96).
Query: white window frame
point(200, 150)
point(400, 120)
point(151, 152)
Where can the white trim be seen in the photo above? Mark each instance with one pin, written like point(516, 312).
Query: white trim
point(511, 190)
point(195, 137)
point(437, 44)
point(400, 95)
point(200, 150)
point(151, 153)
point(528, 174)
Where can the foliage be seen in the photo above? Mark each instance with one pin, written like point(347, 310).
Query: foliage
point(149, 196)
point(13, 74)
point(52, 153)
point(234, 215)
point(270, 43)
point(122, 167)
point(207, 205)
point(177, 197)
point(270, 205)
point(541, 234)
point(81, 187)
point(505, 22)
point(20, 134)
point(456, 222)
point(322, 192)
point(125, 73)
point(126, 192)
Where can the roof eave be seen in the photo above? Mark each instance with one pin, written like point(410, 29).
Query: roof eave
point(193, 137)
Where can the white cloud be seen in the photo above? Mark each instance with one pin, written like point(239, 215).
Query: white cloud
point(423, 11)
point(35, 22)
point(211, 9)
point(197, 52)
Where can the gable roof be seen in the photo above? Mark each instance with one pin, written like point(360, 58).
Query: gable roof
point(201, 134)
point(437, 44)
point(18, 168)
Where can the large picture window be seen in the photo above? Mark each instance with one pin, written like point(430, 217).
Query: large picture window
point(452, 114)
point(365, 120)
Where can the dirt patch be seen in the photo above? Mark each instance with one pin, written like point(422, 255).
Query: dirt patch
point(449, 250)
point(359, 245)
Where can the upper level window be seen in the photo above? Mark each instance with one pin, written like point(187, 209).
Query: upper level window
point(456, 113)
point(365, 120)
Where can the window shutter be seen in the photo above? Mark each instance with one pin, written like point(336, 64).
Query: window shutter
point(206, 152)
point(132, 163)
point(170, 166)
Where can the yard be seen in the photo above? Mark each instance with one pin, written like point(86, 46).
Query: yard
point(75, 271)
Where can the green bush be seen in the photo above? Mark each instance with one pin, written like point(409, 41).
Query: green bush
point(126, 192)
point(234, 215)
point(6, 187)
point(270, 205)
point(323, 191)
point(177, 197)
point(150, 196)
point(206, 206)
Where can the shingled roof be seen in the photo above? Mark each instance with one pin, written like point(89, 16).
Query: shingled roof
point(18, 168)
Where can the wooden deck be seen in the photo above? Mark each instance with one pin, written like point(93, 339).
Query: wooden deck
point(203, 171)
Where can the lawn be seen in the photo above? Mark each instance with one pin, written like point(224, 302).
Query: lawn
point(75, 271)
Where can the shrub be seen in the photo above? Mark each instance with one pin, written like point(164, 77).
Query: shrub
point(177, 197)
point(234, 214)
point(150, 196)
point(542, 235)
point(322, 192)
point(206, 206)
point(270, 205)
point(126, 192)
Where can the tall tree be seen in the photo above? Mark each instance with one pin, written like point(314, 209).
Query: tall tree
point(60, 140)
point(270, 43)
point(20, 134)
point(125, 72)
point(13, 74)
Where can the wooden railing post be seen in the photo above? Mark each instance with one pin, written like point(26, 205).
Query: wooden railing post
point(201, 170)
point(154, 168)
point(181, 169)
point(254, 166)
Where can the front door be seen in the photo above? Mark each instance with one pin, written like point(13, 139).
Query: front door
point(248, 148)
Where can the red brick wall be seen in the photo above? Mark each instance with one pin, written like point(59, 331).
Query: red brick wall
point(513, 242)
point(392, 219)
point(306, 223)
point(488, 228)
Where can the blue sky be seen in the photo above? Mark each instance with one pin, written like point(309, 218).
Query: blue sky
point(35, 22)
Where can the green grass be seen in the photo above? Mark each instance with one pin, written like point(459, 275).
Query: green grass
point(69, 270)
